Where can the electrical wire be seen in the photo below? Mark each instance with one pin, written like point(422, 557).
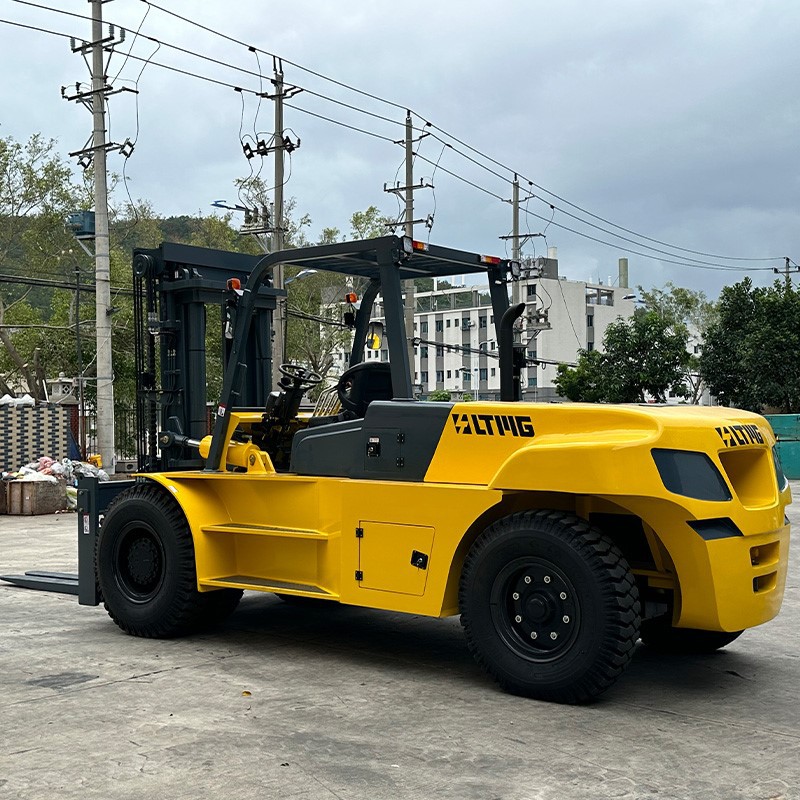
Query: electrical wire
point(721, 267)
point(450, 172)
point(273, 55)
point(569, 315)
point(472, 149)
point(336, 121)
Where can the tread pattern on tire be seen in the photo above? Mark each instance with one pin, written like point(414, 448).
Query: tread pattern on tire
point(619, 593)
point(189, 610)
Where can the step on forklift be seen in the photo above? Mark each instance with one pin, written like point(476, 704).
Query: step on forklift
point(561, 533)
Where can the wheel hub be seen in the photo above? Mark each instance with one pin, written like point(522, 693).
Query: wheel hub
point(537, 609)
point(140, 563)
point(143, 561)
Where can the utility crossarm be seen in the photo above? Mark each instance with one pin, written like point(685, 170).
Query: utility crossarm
point(385, 262)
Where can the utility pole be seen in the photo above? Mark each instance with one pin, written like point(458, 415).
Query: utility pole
point(411, 301)
point(515, 244)
point(787, 270)
point(269, 232)
point(105, 370)
point(94, 154)
point(408, 230)
point(279, 340)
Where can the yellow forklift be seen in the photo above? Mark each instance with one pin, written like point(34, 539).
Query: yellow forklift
point(561, 533)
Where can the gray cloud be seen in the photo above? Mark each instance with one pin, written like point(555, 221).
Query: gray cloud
point(675, 119)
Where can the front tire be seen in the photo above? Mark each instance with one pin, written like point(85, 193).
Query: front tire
point(145, 567)
point(549, 606)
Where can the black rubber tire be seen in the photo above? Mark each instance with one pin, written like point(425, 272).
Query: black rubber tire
point(659, 635)
point(146, 569)
point(581, 589)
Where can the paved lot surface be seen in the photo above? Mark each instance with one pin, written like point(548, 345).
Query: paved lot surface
point(342, 703)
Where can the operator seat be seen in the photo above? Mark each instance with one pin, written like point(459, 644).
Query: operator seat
point(357, 387)
point(363, 383)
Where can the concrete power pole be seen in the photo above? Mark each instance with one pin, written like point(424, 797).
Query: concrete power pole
point(279, 338)
point(105, 371)
point(516, 248)
point(94, 154)
point(786, 271)
point(409, 231)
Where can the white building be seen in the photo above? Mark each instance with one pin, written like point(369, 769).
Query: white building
point(456, 347)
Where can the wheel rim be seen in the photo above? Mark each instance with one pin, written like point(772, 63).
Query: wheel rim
point(535, 609)
point(139, 563)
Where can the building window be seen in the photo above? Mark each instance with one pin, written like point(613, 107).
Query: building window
point(492, 372)
point(424, 377)
point(531, 380)
point(448, 323)
point(531, 354)
point(493, 345)
point(482, 321)
point(590, 320)
point(466, 376)
point(531, 290)
point(483, 375)
point(440, 351)
point(455, 322)
point(439, 376)
point(449, 374)
point(590, 346)
point(424, 328)
point(491, 319)
point(423, 352)
point(439, 326)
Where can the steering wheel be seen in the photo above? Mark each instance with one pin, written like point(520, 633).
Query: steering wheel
point(302, 376)
point(344, 389)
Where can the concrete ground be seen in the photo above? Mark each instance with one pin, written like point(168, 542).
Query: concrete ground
point(286, 702)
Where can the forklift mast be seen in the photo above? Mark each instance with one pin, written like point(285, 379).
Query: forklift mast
point(175, 287)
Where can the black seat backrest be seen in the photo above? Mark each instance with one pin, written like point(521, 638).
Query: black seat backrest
point(363, 383)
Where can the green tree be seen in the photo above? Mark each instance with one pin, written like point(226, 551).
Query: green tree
point(37, 191)
point(688, 308)
point(439, 394)
point(369, 224)
point(751, 357)
point(643, 356)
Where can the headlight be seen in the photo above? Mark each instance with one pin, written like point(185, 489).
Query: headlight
point(691, 474)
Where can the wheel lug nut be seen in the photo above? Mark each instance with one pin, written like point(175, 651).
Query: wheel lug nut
point(565, 618)
point(547, 579)
point(515, 596)
point(534, 634)
point(527, 579)
point(553, 635)
point(518, 618)
point(563, 595)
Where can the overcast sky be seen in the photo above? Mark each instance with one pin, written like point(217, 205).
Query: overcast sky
point(676, 120)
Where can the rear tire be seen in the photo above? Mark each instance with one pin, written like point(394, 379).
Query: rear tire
point(660, 636)
point(145, 567)
point(549, 606)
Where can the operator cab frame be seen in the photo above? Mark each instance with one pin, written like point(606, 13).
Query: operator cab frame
point(385, 262)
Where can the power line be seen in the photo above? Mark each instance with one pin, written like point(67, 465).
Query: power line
point(646, 255)
point(189, 73)
point(339, 123)
point(274, 55)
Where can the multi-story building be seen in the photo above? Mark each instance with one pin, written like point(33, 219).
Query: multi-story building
point(454, 332)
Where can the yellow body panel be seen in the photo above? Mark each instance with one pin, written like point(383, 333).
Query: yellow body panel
point(353, 540)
